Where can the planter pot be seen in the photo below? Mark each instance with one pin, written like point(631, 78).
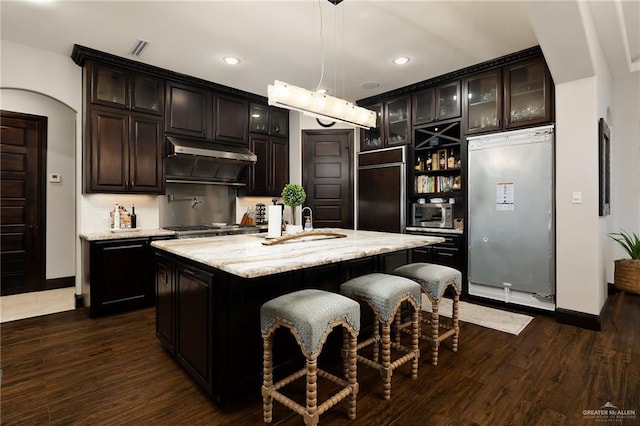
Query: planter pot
point(627, 275)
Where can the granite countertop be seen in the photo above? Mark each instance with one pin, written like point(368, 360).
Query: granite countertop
point(130, 233)
point(246, 256)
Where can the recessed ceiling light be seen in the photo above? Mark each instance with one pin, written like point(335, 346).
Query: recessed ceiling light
point(323, 91)
point(401, 60)
point(231, 60)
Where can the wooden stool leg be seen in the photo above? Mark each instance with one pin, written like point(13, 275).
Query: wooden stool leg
point(311, 419)
point(397, 322)
point(352, 374)
point(456, 325)
point(435, 325)
point(386, 370)
point(415, 342)
point(618, 306)
point(267, 383)
point(345, 351)
point(376, 336)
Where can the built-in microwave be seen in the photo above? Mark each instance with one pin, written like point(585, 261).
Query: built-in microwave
point(432, 215)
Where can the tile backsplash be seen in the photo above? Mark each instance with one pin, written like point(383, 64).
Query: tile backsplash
point(95, 210)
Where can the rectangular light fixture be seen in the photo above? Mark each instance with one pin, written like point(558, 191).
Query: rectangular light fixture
point(319, 105)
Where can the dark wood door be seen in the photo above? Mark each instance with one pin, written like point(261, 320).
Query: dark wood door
point(146, 173)
point(187, 110)
point(279, 166)
point(108, 156)
point(231, 115)
point(258, 175)
point(327, 176)
point(22, 233)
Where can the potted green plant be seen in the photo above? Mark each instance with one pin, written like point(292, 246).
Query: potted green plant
point(626, 275)
point(627, 271)
point(293, 195)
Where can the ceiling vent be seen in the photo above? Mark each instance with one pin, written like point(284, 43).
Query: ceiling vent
point(139, 47)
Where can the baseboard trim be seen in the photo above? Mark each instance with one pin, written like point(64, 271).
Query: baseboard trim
point(579, 319)
point(56, 283)
point(79, 301)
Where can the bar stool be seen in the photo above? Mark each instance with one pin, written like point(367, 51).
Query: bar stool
point(384, 294)
point(310, 315)
point(434, 280)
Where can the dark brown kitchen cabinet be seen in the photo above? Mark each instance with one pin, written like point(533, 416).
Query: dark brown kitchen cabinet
point(483, 102)
point(270, 173)
point(188, 110)
point(124, 153)
point(528, 95)
point(393, 124)
point(120, 88)
point(118, 275)
point(193, 323)
point(436, 103)
point(165, 304)
point(268, 120)
point(230, 122)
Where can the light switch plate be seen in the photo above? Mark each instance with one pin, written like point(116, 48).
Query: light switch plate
point(576, 197)
point(55, 178)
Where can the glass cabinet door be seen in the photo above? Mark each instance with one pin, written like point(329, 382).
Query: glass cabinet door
point(398, 125)
point(483, 102)
point(258, 118)
point(372, 138)
point(278, 122)
point(423, 106)
point(110, 86)
point(148, 94)
point(448, 101)
point(527, 99)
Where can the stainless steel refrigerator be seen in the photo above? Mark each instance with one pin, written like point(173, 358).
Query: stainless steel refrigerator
point(511, 230)
point(382, 182)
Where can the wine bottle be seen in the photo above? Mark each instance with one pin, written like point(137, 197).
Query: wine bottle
point(133, 217)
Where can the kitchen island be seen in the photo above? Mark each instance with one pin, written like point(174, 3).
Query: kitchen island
point(209, 293)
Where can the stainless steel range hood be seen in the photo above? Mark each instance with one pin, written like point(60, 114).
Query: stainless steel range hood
point(196, 161)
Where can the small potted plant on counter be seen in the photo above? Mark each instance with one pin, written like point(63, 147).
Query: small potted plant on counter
point(626, 275)
point(293, 195)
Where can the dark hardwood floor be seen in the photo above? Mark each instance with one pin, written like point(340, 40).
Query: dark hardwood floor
point(67, 369)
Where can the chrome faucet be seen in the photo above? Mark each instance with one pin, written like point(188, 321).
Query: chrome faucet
point(310, 224)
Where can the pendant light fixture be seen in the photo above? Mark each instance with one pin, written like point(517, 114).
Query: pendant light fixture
point(317, 104)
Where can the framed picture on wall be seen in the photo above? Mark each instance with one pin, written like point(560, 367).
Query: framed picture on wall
point(604, 168)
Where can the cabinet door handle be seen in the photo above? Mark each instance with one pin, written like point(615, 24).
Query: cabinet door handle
point(444, 254)
point(190, 272)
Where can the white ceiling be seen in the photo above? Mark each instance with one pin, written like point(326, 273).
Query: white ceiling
point(282, 39)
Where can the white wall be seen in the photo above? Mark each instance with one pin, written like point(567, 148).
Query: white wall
point(50, 84)
point(60, 197)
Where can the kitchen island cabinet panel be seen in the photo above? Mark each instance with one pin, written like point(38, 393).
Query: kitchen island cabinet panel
point(193, 343)
point(165, 304)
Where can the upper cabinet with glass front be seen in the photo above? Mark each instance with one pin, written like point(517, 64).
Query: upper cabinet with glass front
point(527, 88)
point(483, 102)
point(393, 124)
point(268, 120)
point(120, 88)
point(436, 103)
